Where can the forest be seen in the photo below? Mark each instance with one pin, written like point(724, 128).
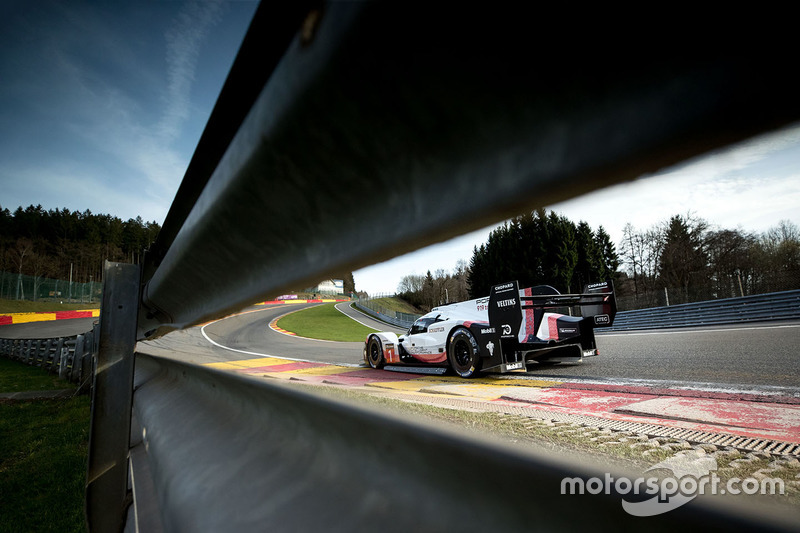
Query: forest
point(64, 244)
point(679, 260)
point(682, 259)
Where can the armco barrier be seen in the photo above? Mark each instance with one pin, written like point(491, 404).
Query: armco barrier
point(70, 357)
point(393, 320)
point(433, 122)
point(758, 308)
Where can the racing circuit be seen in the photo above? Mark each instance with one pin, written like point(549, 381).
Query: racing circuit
point(758, 358)
point(736, 381)
point(740, 381)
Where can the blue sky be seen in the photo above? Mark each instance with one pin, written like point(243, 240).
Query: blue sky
point(102, 104)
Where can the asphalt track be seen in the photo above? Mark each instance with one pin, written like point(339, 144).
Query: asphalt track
point(761, 410)
point(740, 358)
point(48, 329)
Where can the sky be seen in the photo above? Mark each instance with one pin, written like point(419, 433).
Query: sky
point(102, 104)
point(751, 186)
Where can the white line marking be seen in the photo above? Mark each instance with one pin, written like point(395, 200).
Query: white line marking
point(348, 316)
point(685, 331)
point(730, 388)
point(218, 345)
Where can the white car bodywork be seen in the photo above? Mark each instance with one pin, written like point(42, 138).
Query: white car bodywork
point(531, 333)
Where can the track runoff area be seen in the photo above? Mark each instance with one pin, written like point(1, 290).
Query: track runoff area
point(751, 419)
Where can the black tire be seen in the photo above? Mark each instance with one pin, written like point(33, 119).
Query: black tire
point(464, 353)
point(375, 353)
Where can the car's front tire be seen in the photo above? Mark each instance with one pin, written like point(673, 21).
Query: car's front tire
point(463, 353)
point(375, 353)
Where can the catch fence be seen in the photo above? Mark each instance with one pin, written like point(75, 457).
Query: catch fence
point(39, 289)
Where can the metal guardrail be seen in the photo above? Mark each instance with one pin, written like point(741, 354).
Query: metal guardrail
point(434, 124)
point(757, 308)
point(393, 320)
point(70, 357)
point(218, 451)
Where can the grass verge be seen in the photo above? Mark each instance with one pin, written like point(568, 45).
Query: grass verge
point(43, 454)
point(324, 322)
point(18, 377)
point(396, 304)
point(24, 306)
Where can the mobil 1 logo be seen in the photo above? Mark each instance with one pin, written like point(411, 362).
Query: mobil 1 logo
point(505, 309)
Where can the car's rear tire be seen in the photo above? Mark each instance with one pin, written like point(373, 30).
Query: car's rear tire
point(463, 353)
point(375, 353)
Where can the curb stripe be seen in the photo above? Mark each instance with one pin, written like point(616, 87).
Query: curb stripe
point(23, 318)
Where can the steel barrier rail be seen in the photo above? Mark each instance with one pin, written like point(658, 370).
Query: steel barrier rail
point(435, 135)
point(230, 453)
point(393, 320)
point(70, 357)
point(433, 123)
point(758, 308)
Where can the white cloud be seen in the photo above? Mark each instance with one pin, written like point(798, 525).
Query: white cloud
point(735, 188)
point(184, 39)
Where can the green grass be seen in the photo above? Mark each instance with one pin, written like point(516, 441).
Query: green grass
point(43, 454)
point(17, 377)
point(326, 323)
point(24, 306)
point(396, 304)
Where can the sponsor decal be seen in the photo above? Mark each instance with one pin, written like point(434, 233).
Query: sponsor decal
point(602, 319)
point(482, 304)
point(596, 285)
point(435, 330)
point(420, 350)
point(506, 303)
point(487, 331)
point(513, 366)
point(503, 287)
point(567, 330)
point(506, 329)
point(490, 347)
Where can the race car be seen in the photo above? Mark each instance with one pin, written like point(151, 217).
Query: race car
point(503, 332)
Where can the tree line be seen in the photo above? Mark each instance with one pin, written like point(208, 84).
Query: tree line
point(541, 248)
point(683, 259)
point(58, 243)
point(441, 287)
point(686, 259)
point(538, 248)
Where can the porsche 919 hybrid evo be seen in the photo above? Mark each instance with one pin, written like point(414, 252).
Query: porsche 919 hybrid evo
point(503, 332)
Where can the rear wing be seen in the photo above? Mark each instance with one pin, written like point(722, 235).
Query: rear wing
point(508, 305)
point(600, 303)
point(597, 301)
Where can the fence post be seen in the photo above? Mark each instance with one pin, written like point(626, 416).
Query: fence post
point(77, 358)
point(107, 496)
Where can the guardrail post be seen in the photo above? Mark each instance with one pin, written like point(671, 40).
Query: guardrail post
point(107, 481)
point(58, 353)
point(77, 357)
